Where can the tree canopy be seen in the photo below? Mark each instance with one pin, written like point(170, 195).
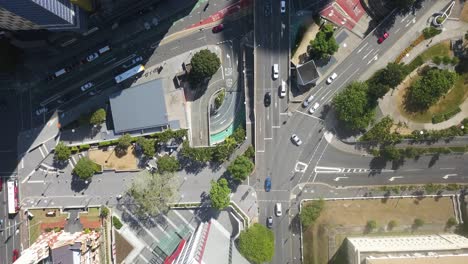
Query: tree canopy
point(240, 168)
point(147, 145)
point(223, 150)
point(124, 142)
point(220, 194)
point(84, 168)
point(198, 154)
point(380, 132)
point(98, 117)
point(324, 44)
point(310, 212)
point(61, 152)
point(167, 164)
point(204, 64)
point(352, 106)
point(426, 91)
point(153, 192)
point(256, 244)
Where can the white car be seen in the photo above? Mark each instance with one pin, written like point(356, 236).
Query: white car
point(283, 6)
point(275, 71)
point(307, 102)
point(86, 86)
point(41, 111)
point(282, 89)
point(92, 57)
point(313, 108)
point(296, 139)
point(332, 78)
point(278, 209)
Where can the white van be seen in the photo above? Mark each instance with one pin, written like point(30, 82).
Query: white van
point(60, 72)
point(278, 209)
point(105, 49)
point(283, 89)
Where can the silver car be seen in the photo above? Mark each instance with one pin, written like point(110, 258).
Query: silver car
point(86, 86)
point(307, 102)
point(296, 139)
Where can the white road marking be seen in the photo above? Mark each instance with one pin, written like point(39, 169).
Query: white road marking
point(309, 115)
point(362, 47)
point(22, 163)
point(320, 169)
point(260, 151)
point(35, 181)
point(447, 168)
point(403, 19)
point(365, 56)
point(398, 29)
point(339, 178)
point(42, 153)
point(396, 177)
point(449, 175)
point(412, 170)
point(176, 47)
point(200, 38)
point(268, 138)
point(276, 127)
point(45, 148)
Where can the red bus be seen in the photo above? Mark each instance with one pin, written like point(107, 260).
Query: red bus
point(13, 201)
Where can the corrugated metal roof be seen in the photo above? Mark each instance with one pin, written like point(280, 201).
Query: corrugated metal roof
point(139, 107)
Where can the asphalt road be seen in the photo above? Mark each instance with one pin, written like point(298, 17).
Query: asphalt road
point(289, 165)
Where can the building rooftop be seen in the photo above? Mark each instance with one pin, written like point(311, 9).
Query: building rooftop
point(139, 107)
point(307, 73)
point(409, 243)
point(437, 259)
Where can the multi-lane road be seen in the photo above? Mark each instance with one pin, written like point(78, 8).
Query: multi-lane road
point(316, 160)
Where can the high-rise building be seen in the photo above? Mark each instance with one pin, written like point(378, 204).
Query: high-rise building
point(53, 15)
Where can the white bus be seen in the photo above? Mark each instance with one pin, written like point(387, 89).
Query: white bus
point(124, 76)
point(13, 203)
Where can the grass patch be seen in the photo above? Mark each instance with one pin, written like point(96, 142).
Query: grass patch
point(441, 49)
point(40, 219)
point(349, 218)
point(458, 149)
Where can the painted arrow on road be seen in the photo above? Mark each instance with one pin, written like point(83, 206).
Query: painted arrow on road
point(396, 177)
point(449, 175)
point(338, 178)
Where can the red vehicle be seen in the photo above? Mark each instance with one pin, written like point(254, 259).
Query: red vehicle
point(15, 255)
point(218, 28)
point(384, 37)
point(1, 184)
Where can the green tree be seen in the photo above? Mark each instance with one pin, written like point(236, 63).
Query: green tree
point(381, 133)
point(104, 211)
point(223, 150)
point(250, 152)
point(153, 192)
point(418, 223)
point(257, 244)
point(198, 154)
point(437, 60)
point(310, 212)
point(116, 222)
point(390, 152)
point(84, 168)
point(371, 225)
point(446, 59)
point(240, 168)
point(147, 145)
point(61, 152)
point(430, 32)
point(427, 90)
point(352, 106)
point(204, 64)
point(98, 117)
point(403, 4)
point(123, 143)
point(392, 224)
point(239, 135)
point(220, 194)
point(324, 44)
point(393, 74)
point(167, 164)
point(219, 99)
point(451, 222)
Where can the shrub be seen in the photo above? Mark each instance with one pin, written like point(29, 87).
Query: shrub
point(62, 152)
point(57, 229)
point(84, 147)
point(418, 61)
point(87, 231)
point(310, 212)
point(446, 59)
point(451, 222)
point(250, 152)
point(257, 244)
point(104, 211)
point(74, 149)
point(219, 99)
point(371, 225)
point(437, 60)
point(430, 32)
point(455, 61)
point(418, 222)
point(116, 222)
point(392, 224)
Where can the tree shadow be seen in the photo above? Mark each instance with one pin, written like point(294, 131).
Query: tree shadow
point(60, 164)
point(377, 163)
point(341, 255)
point(191, 166)
point(78, 185)
point(295, 225)
point(433, 160)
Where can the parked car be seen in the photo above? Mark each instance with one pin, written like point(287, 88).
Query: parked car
point(296, 140)
point(218, 28)
point(86, 86)
point(267, 99)
point(283, 6)
point(278, 209)
point(267, 184)
point(137, 59)
point(383, 37)
point(332, 78)
point(15, 254)
point(313, 108)
point(41, 111)
point(307, 102)
point(275, 71)
point(267, 8)
point(92, 57)
point(269, 222)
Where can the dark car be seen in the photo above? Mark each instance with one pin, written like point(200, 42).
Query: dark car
point(269, 222)
point(267, 184)
point(382, 38)
point(267, 99)
point(267, 8)
point(218, 28)
point(15, 255)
